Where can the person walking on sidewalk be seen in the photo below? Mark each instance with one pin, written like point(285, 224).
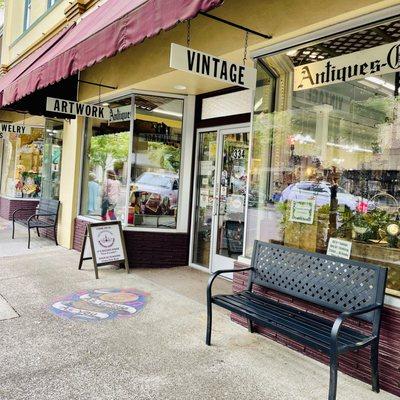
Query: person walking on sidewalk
point(111, 189)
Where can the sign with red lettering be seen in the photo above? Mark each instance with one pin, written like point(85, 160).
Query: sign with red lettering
point(69, 107)
point(199, 63)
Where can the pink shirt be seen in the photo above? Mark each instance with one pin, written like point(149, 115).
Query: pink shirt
point(111, 190)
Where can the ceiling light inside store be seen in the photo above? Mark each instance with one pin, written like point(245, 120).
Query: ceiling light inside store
point(180, 87)
point(380, 82)
point(292, 53)
point(105, 104)
point(166, 112)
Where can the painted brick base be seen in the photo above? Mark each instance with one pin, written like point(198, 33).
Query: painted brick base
point(8, 206)
point(146, 249)
point(355, 364)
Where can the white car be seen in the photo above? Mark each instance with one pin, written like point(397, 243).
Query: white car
point(321, 193)
point(164, 184)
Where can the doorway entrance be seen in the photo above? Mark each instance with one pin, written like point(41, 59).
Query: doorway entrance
point(220, 196)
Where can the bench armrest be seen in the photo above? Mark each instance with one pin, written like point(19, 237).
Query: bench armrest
point(219, 272)
point(18, 210)
point(345, 315)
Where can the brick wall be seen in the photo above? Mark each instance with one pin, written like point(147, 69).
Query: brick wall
point(356, 363)
point(8, 206)
point(147, 249)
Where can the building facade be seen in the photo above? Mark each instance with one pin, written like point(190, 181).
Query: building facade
point(197, 169)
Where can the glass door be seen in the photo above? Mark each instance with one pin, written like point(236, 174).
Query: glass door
point(231, 184)
point(220, 197)
point(204, 202)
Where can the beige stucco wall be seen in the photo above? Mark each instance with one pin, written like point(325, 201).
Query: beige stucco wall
point(70, 178)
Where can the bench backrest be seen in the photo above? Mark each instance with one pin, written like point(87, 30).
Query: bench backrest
point(330, 282)
point(49, 206)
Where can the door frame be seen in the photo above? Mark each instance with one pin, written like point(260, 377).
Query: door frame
point(218, 129)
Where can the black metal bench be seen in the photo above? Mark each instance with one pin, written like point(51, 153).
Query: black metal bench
point(351, 288)
point(46, 216)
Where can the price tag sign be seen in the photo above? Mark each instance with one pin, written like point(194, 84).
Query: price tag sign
point(339, 248)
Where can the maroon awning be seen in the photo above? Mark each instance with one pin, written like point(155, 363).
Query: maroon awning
point(111, 28)
point(19, 69)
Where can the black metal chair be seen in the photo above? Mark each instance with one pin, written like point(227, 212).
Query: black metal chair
point(351, 288)
point(45, 217)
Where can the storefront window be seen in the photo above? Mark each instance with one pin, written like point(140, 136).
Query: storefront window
point(150, 199)
point(106, 151)
point(156, 162)
point(52, 152)
point(22, 164)
point(326, 157)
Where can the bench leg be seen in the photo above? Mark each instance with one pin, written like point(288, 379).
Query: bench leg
point(13, 229)
point(55, 235)
point(37, 231)
point(374, 366)
point(250, 326)
point(29, 238)
point(333, 377)
point(209, 323)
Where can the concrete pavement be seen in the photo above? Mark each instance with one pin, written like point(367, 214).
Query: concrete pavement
point(157, 354)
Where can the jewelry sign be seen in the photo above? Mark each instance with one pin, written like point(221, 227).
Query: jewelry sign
point(360, 64)
point(14, 128)
point(106, 245)
point(199, 63)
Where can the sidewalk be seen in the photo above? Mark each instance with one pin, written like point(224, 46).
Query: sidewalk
point(157, 354)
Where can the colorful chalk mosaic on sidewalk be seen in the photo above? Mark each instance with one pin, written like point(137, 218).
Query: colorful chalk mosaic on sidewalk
point(100, 304)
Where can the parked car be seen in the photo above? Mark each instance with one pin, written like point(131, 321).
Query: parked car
point(321, 192)
point(165, 185)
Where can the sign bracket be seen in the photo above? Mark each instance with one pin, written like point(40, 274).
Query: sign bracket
point(237, 26)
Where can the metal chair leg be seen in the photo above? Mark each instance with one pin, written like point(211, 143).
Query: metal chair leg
point(374, 366)
point(29, 238)
point(333, 377)
point(209, 323)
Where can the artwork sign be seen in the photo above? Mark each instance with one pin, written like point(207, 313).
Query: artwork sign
point(199, 63)
point(360, 64)
point(69, 107)
point(100, 304)
point(107, 245)
point(339, 248)
point(302, 211)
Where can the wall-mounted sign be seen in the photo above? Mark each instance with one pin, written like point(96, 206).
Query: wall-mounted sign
point(302, 211)
point(107, 245)
point(199, 63)
point(69, 107)
point(14, 128)
point(360, 64)
point(339, 248)
point(120, 114)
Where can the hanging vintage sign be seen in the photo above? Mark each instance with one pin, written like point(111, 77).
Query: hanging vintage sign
point(199, 63)
point(73, 108)
point(18, 129)
point(375, 61)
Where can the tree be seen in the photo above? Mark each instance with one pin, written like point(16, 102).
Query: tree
point(102, 147)
point(167, 156)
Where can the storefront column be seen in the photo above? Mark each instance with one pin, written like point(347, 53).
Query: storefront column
point(69, 181)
